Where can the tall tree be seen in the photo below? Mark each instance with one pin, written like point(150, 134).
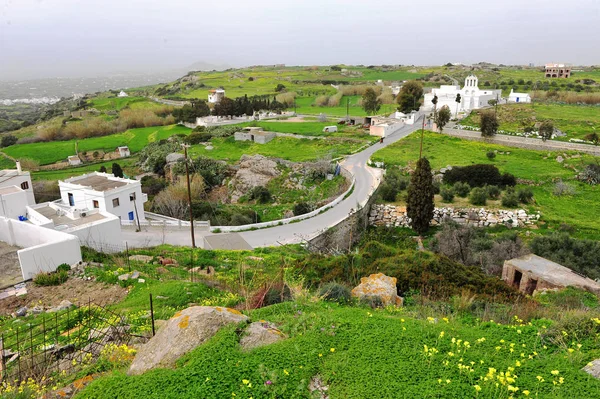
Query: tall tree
point(458, 99)
point(443, 117)
point(434, 101)
point(117, 170)
point(225, 107)
point(546, 130)
point(419, 204)
point(370, 103)
point(409, 98)
point(489, 124)
point(102, 169)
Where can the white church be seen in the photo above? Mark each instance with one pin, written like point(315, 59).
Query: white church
point(471, 97)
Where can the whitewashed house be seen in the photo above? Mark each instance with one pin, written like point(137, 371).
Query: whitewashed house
point(74, 160)
point(118, 196)
point(215, 96)
point(123, 152)
point(19, 178)
point(122, 94)
point(471, 96)
point(515, 97)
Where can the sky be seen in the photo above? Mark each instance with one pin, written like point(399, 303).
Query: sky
point(72, 38)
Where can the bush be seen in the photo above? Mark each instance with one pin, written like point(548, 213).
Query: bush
point(561, 188)
point(447, 194)
point(493, 192)
point(261, 194)
point(461, 189)
point(388, 193)
point(373, 301)
point(478, 176)
point(525, 195)
point(590, 174)
point(335, 292)
point(301, 208)
point(277, 295)
point(478, 196)
point(50, 279)
point(239, 219)
point(490, 155)
point(63, 267)
point(198, 137)
point(510, 199)
point(583, 256)
point(8, 140)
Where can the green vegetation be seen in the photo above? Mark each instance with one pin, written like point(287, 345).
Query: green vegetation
point(311, 129)
point(118, 103)
point(541, 167)
point(136, 139)
point(6, 163)
point(307, 105)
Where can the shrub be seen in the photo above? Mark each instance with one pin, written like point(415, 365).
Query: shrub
point(8, 140)
point(478, 196)
point(388, 193)
point(561, 188)
point(490, 155)
point(49, 279)
point(478, 176)
point(590, 174)
point(335, 292)
point(261, 194)
point(198, 137)
point(239, 219)
point(461, 189)
point(493, 192)
point(301, 208)
point(447, 194)
point(277, 294)
point(374, 301)
point(510, 199)
point(63, 267)
point(583, 256)
point(525, 195)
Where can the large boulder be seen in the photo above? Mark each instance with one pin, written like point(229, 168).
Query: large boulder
point(378, 285)
point(183, 332)
point(260, 333)
point(593, 368)
point(253, 171)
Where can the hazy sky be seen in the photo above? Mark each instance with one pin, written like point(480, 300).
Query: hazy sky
point(46, 38)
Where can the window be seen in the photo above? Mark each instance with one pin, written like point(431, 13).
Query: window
point(115, 202)
point(96, 205)
point(25, 185)
point(132, 197)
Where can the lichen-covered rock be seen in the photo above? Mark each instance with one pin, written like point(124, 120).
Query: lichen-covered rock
point(378, 285)
point(183, 332)
point(593, 368)
point(260, 333)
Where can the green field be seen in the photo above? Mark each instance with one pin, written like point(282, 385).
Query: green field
point(296, 150)
point(580, 210)
point(128, 165)
point(118, 103)
point(6, 163)
point(51, 152)
point(574, 120)
point(306, 105)
point(312, 129)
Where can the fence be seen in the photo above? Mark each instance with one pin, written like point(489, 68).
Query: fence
point(60, 342)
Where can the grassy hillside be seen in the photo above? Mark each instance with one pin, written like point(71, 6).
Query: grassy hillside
point(539, 166)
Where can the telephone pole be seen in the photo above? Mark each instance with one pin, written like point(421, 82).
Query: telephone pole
point(187, 175)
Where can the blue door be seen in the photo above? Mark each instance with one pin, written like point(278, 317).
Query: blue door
point(130, 215)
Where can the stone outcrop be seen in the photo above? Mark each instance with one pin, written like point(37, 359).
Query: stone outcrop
point(254, 171)
point(183, 332)
point(259, 334)
point(394, 216)
point(378, 285)
point(593, 368)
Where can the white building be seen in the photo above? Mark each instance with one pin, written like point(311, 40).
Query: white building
point(74, 160)
point(471, 96)
point(120, 197)
point(123, 151)
point(122, 94)
point(514, 97)
point(215, 96)
point(19, 178)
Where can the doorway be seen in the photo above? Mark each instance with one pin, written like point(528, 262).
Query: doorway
point(71, 200)
point(130, 215)
point(517, 279)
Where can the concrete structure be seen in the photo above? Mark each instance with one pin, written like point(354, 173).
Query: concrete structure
point(122, 94)
point(382, 127)
point(13, 201)
point(514, 97)
point(95, 229)
point(73, 160)
point(531, 272)
point(557, 71)
point(471, 96)
point(215, 96)
point(230, 241)
point(43, 249)
point(120, 197)
point(409, 119)
point(255, 134)
point(330, 129)
point(17, 177)
point(123, 152)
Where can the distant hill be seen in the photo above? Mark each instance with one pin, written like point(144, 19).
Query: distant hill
point(206, 66)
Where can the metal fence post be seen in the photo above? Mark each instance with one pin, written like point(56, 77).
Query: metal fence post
point(152, 315)
point(127, 254)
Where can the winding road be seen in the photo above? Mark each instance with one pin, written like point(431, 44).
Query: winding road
point(367, 179)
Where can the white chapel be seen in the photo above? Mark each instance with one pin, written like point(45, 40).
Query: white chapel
point(471, 97)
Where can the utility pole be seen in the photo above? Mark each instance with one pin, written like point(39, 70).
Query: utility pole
point(348, 109)
point(137, 216)
point(422, 129)
point(496, 106)
point(187, 175)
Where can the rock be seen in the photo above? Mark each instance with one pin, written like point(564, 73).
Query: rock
point(141, 280)
point(135, 275)
point(37, 310)
point(167, 261)
point(21, 312)
point(318, 387)
point(141, 258)
point(560, 159)
point(209, 147)
point(124, 277)
point(593, 368)
point(161, 270)
point(260, 333)
point(174, 157)
point(253, 171)
point(183, 332)
point(378, 285)
point(203, 270)
point(63, 305)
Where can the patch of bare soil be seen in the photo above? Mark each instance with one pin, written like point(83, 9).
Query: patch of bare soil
point(74, 290)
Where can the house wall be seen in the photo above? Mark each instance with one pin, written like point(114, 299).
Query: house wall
point(17, 180)
point(104, 236)
point(44, 249)
point(13, 205)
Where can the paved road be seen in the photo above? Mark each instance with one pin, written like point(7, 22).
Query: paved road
point(366, 181)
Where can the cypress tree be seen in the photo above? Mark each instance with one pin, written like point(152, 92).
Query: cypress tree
point(419, 205)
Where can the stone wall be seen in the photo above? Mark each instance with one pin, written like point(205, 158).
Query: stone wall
point(395, 216)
